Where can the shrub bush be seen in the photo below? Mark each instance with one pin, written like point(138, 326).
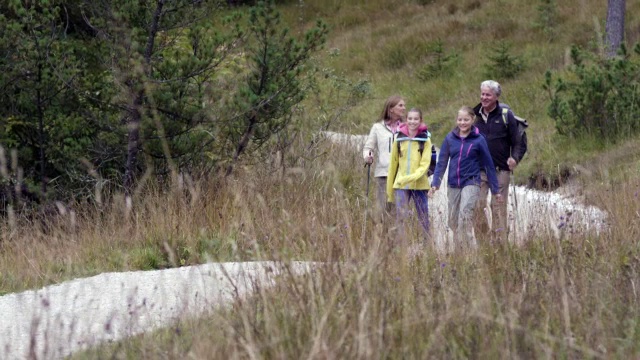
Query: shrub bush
point(547, 19)
point(439, 61)
point(598, 96)
point(502, 63)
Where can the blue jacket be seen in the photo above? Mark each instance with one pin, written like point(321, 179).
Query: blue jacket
point(465, 157)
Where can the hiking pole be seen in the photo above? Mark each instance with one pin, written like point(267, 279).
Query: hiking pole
point(515, 210)
point(366, 199)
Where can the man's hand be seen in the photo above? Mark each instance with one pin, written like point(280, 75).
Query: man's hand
point(512, 163)
point(432, 192)
point(498, 198)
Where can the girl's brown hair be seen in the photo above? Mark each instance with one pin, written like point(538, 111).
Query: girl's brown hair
point(418, 111)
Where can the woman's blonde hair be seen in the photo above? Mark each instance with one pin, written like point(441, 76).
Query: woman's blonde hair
point(468, 110)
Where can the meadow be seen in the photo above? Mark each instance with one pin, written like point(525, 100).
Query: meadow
point(568, 296)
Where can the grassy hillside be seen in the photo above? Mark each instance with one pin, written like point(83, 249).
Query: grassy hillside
point(388, 43)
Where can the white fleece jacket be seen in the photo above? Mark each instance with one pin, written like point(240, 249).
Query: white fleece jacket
point(379, 143)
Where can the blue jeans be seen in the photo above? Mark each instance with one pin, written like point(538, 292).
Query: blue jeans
point(403, 197)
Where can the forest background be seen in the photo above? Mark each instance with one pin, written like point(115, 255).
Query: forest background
point(146, 135)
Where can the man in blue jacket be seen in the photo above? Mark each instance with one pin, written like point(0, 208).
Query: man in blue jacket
point(501, 132)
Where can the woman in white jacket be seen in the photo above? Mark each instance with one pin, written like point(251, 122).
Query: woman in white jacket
point(379, 142)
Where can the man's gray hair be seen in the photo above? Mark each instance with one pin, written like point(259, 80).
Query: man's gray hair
point(493, 85)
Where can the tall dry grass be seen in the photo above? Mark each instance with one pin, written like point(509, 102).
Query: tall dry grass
point(570, 297)
point(573, 297)
point(308, 213)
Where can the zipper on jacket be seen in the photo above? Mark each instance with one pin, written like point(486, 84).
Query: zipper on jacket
point(408, 160)
point(393, 134)
point(459, 160)
point(409, 156)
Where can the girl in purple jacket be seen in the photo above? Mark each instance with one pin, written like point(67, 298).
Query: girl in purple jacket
point(465, 152)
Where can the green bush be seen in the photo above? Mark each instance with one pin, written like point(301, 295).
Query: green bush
point(547, 19)
point(147, 258)
point(598, 96)
point(439, 61)
point(502, 63)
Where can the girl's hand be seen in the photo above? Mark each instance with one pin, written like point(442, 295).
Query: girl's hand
point(499, 198)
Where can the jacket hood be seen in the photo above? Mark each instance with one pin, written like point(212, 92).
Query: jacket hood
point(404, 129)
point(474, 131)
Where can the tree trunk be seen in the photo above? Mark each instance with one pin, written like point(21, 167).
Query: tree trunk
point(133, 142)
point(615, 27)
point(41, 139)
point(135, 113)
point(242, 144)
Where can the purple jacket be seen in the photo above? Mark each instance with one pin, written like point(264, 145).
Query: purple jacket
point(465, 158)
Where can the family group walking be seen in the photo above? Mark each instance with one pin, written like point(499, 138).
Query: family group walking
point(480, 154)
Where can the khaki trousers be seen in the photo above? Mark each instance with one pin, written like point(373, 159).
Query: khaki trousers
point(499, 229)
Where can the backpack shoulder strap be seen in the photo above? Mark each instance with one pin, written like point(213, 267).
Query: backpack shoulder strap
point(420, 148)
point(505, 111)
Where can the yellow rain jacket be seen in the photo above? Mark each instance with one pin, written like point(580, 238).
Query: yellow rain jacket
point(408, 166)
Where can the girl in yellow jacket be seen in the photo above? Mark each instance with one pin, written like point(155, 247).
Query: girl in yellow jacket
point(407, 179)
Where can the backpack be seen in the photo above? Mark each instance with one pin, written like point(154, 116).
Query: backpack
point(522, 129)
point(434, 156)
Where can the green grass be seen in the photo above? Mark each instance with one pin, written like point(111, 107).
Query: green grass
point(389, 49)
point(387, 44)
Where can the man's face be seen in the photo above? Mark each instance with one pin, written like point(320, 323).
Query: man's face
point(487, 98)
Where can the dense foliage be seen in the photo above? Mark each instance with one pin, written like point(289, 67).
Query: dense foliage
point(97, 93)
point(598, 96)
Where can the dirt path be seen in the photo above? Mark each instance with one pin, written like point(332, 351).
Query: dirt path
point(61, 319)
point(531, 212)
